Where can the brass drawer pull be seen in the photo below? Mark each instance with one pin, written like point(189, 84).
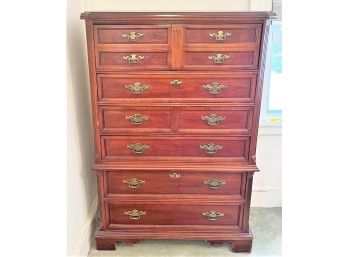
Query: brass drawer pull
point(138, 148)
point(214, 88)
point(220, 35)
point(133, 58)
point(211, 148)
point(213, 215)
point(213, 119)
point(133, 182)
point(137, 119)
point(135, 214)
point(174, 175)
point(219, 58)
point(176, 83)
point(132, 36)
point(137, 88)
point(214, 183)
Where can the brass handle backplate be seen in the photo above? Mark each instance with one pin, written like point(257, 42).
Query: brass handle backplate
point(137, 88)
point(135, 214)
point(174, 175)
point(213, 119)
point(176, 83)
point(138, 148)
point(132, 36)
point(137, 119)
point(220, 35)
point(214, 88)
point(133, 182)
point(213, 215)
point(133, 58)
point(214, 183)
point(211, 148)
point(219, 58)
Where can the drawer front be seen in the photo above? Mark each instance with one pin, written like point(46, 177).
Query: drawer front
point(136, 120)
point(221, 60)
point(168, 214)
point(223, 34)
point(179, 120)
point(235, 87)
point(173, 182)
point(107, 59)
point(183, 148)
point(131, 34)
point(211, 120)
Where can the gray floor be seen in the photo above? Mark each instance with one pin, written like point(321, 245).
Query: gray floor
point(266, 225)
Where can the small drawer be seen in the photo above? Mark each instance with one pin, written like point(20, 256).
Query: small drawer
point(124, 34)
point(110, 59)
point(170, 214)
point(221, 59)
point(223, 34)
point(135, 120)
point(192, 87)
point(174, 148)
point(173, 182)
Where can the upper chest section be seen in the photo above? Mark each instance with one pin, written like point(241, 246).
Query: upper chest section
point(213, 41)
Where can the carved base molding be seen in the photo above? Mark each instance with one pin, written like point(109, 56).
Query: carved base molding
point(108, 240)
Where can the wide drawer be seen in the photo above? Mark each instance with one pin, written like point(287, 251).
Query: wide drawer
point(169, 214)
point(173, 182)
point(174, 148)
point(233, 59)
point(123, 59)
point(210, 87)
point(179, 120)
point(131, 34)
point(235, 34)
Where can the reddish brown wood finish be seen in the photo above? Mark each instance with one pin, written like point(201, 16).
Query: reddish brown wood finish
point(240, 87)
point(240, 34)
point(176, 46)
point(161, 214)
point(180, 120)
point(241, 59)
point(153, 60)
point(172, 182)
point(112, 34)
point(163, 148)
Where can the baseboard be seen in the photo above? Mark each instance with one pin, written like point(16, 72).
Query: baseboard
point(84, 243)
point(266, 197)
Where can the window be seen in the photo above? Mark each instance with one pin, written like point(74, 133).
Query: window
point(271, 109)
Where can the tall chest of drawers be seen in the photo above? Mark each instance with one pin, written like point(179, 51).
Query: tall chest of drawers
point(175, 102)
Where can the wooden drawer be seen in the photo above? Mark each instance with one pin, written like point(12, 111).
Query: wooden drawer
point(194, 87)
point(220, 59)
point(131, 34)
point(215, 120)
point(173, 182)
point(180, 120)
point(169, 214)
point(174, 148)
point(146, 59)
point(129, 120)
point(222, 34)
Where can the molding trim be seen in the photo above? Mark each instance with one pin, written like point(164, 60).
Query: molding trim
point(84, 243)
point(266, 197)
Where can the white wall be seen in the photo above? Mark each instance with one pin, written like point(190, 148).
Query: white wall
point(82, 186)
point(267, 187)
point(177, 5)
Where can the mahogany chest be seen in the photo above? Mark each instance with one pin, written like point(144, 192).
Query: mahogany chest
point(176, 103)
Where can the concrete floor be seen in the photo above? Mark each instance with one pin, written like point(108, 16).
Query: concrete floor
point(266, 225)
